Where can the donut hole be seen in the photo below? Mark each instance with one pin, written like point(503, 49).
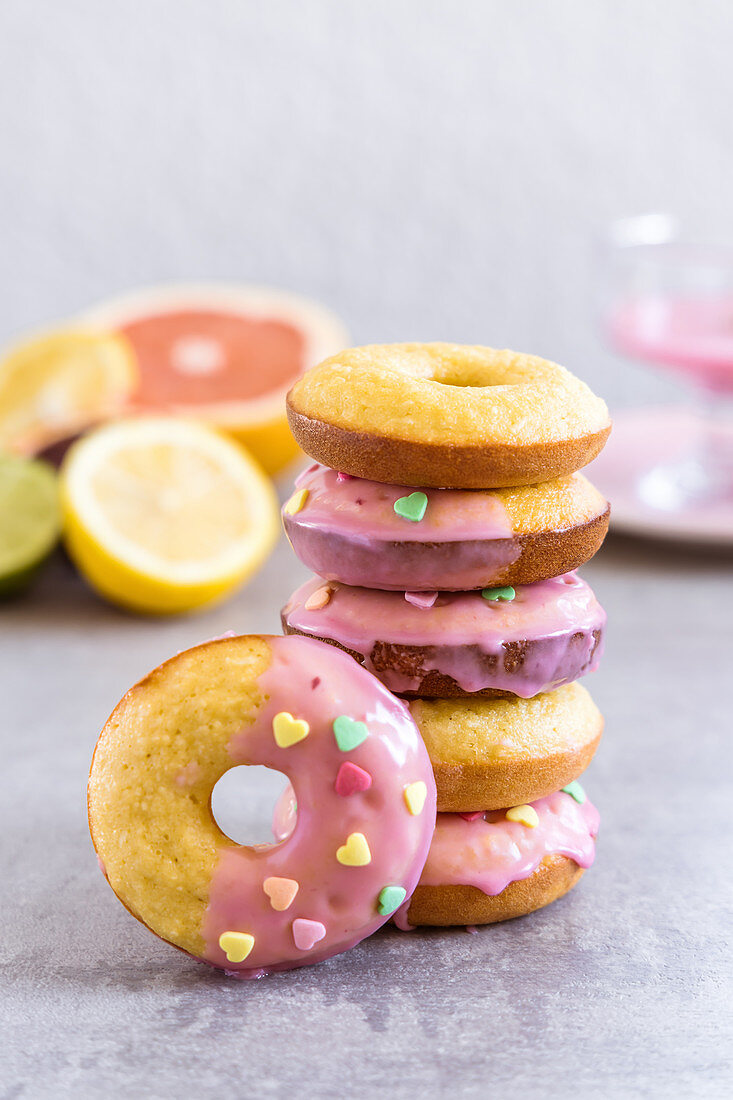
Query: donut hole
point(465, 383)
point(468, 375)
point(244, 802)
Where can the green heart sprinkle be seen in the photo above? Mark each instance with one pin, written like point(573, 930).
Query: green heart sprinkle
point(412, 507)
point(575, 791)
point(349, 733)
point(390, 899)
point(506, 593)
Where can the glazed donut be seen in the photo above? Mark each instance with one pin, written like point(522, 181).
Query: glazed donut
point(446, 415)
point(485, 867)
point(496, 643)
point(361, 774)
point(348, 529)
point(490, 753)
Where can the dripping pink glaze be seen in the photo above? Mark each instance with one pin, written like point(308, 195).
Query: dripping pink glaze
point(318, 683)
point(490, 852)
point(461, 628)
point(348, 531)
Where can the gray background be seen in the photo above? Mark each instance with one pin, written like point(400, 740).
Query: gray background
point(430, 170)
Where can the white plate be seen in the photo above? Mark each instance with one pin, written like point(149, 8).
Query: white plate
point(641, 440)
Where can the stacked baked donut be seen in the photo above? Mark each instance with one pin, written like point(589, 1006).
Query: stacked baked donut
point(444, 520)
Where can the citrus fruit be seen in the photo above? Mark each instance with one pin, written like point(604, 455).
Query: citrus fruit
point(55, 384)
point(163, 515)
point(29, 520)
point(225, 355)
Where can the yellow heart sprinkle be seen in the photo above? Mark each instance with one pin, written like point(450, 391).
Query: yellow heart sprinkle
point(415, 795)
point(525, 815)
point(288, 730)
point(236, 945)
point(296, 502)
point(355, 852)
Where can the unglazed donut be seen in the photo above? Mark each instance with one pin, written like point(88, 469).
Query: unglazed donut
point(483, 868)
point(446, 415)
point(346, 529)
point(490, 753)
point(360, 771)
point(498, 642)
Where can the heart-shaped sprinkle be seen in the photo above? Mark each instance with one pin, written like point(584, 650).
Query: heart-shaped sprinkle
point(575, 791)
point(349, 733)
point(355, 852)
point(281, 892)
point(421, 599)
point(390, 899)
point(306, 933)
point(525, 815)
point(318, 599)
point(507, 593)
point(236, 945)
point(351, 779)
point(415, 795)
point(296, 502)
point(288, 730)
point(474, 815)
point(412, 507)
point(341, 476)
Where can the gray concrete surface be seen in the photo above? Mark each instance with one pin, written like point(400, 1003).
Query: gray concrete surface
point(622, 989)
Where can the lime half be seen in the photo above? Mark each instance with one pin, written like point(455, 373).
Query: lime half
point(29, 519)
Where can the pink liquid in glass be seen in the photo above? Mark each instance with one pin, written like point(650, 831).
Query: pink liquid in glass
point(690, 334)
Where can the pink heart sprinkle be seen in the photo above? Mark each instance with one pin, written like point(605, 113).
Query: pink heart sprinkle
point(473, 815)
point(421, 599)
point(344, 477)
point(351, 779)
point(307, 932)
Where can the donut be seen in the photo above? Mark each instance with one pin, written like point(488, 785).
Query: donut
point(390, 537)
point(361, 775)
point(495, 643)
point(494, 866)
point(489, 753)
point(446, 415)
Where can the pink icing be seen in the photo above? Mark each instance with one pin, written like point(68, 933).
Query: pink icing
point(318, 683)
point(348, 531)
point(560, 617)
point(490, 852)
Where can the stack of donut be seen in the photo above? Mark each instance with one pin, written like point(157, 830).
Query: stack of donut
point(444, 520)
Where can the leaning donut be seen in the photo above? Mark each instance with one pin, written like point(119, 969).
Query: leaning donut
point(446, 415)
point(362, 779)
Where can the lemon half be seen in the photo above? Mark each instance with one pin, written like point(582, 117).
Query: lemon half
point(163, 515)
point(56, 384)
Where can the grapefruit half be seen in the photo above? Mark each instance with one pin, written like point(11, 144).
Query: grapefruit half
point(224, 354)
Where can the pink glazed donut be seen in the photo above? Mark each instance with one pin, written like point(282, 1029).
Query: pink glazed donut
point(493, 866)
point(365, 795)
point(393, 537)
point(493, 643)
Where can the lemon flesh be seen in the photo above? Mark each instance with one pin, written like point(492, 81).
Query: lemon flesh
point(164, 515)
